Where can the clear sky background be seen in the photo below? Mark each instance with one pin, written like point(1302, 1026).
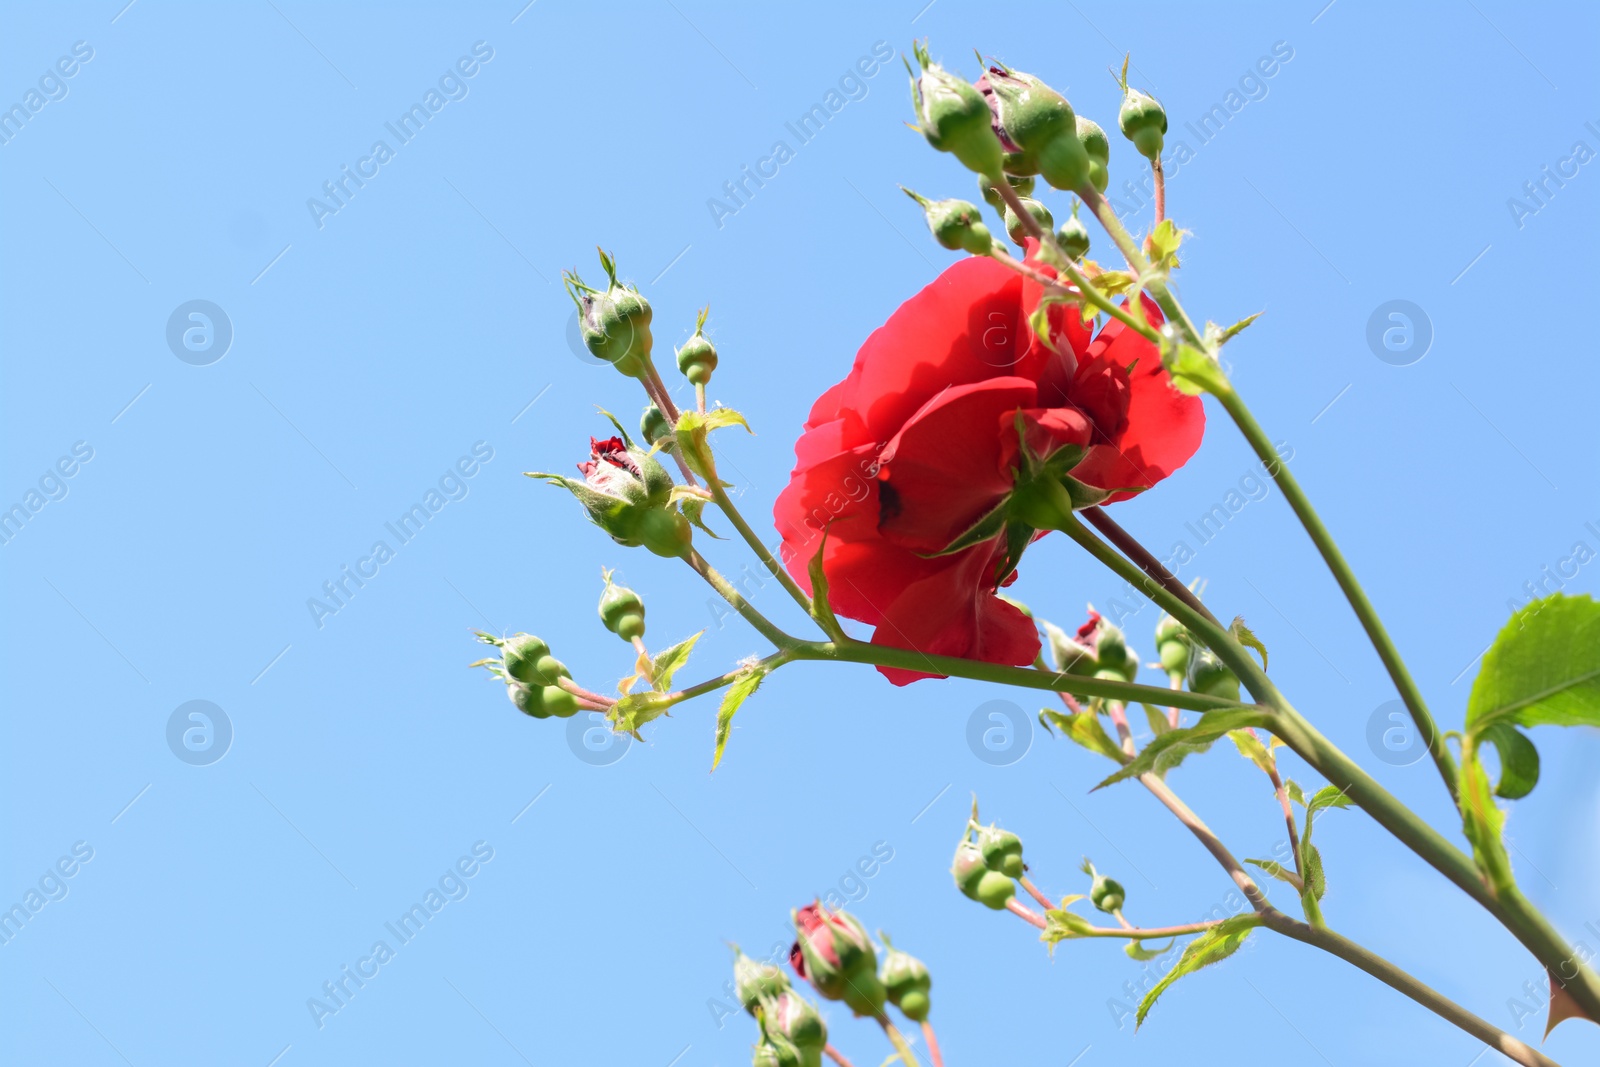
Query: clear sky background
point(374, 347)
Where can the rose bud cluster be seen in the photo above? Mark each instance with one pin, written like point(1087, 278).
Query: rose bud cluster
point(698, 356)
point(954, 117)
point(532, 675)
point(628, 494)
point(1073, 235)
point(906, 980)
point(1036, 127)
point(1104, 893)
point(614, 322)
point(621, 610)
point(985, 871)
point(833, 952)
point(1098, 650)
point(956, 224)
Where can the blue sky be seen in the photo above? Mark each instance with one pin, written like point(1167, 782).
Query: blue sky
point(378, 352)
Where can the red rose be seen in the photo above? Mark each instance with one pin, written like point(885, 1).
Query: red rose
point(924, 439)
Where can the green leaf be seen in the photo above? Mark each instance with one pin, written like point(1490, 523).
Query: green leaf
point(1063, 925)
point(1253, 750)
point(692, 429)
point(1237, 328)
point(1519, 760)
point(636, 709)
point(1296, 794)
point(744, 685)
point(1278, 871)
point(1216, 944)
point(666, 664)
point(1245, 636)
point(1112, 282)
point(1084, 728)
point(1191, 370)
point(1136, 950)
point(1329, 796)
point(1483, 821)
point(1159, 723)
point(1170, 749)
point(1311, 863)
point(694, 508)
point(1543, 668)
point(821, 610)
point(1163, 241)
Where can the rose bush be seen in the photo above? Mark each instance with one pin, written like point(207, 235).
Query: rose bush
point(918, 452)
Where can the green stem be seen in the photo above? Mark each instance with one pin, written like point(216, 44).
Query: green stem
point(776, 569)
point(1131, 251)
point(762, 625)
point(1203, 626)
point(1395, 978)
point(898, 1040)
point(1086, 289)
point(1023, 677)
point(1511, 909)
point(1409, 693)
point(1129, 546)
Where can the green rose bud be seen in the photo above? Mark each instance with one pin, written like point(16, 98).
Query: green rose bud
point(1173, 646)
point(1002, 851)
point(655, 429)
point(614, 322)
point(779, 1051)
point(698, 357)
point(953, 116)
point(1209, 675)
point(956, 224)
point(1144, 122)
point(795, 1019)
point(755, 982)
point(1023, 186)
point(621, 610)
point(906, 980)
point(1098, 148)
point(1073, 236)
point(976, 881)
point(1041, 214)
point(1037, 128)
point(541, 702)
point(1106, 893)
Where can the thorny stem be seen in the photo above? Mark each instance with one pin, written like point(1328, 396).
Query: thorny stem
point(1130, 547)
point(656, 390)
point(739, 603)
point(1357, 597)
point(1512, 910)
point(977, 670)
point(768, 561)
point(1395, 978)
